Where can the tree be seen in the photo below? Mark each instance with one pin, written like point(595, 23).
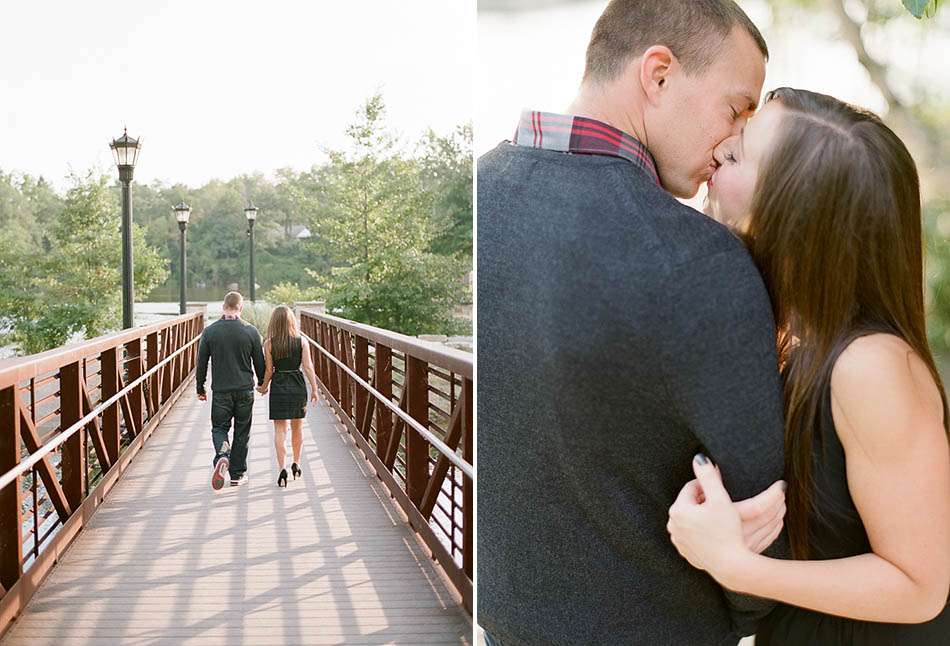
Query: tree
point(446, 167)
point(371, 213)
point(74, 287)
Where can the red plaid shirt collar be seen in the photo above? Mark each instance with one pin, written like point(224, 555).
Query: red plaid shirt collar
point(572, 134)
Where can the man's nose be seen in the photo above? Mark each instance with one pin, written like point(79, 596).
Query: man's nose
point(739, 124)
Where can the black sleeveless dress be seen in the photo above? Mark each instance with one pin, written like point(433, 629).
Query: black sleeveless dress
point(838, 532)
point(288, 389)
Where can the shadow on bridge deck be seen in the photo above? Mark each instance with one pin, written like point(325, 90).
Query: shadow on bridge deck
point(165, 560)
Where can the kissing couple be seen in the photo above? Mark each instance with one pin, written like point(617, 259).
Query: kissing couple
point(708, 425)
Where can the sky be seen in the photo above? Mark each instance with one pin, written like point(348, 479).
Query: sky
point(216, 89)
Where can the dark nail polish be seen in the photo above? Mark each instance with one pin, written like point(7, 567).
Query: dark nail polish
point(701, 458)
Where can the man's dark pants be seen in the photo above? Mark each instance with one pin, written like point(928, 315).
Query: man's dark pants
point(227, 406)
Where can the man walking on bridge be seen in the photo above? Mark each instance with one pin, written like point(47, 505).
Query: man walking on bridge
point(234, 348)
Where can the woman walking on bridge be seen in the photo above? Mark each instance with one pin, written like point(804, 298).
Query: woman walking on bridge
point(287, 358)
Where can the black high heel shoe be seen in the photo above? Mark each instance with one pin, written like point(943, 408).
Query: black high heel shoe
point(282, 478)
point(295, 469)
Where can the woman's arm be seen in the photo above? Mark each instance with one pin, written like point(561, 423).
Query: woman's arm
point(268, 368)
point(889, 417)
point(307, 362)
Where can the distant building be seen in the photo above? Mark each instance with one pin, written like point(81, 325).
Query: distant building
point(300, 232)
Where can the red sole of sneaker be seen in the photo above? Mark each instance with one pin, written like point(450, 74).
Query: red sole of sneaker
point(218, 478)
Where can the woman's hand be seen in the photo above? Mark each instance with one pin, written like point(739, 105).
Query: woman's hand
point(262, 389)
point(313, 396)
point(705, 526)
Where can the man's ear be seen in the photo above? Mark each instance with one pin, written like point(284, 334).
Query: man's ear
point(655, 67)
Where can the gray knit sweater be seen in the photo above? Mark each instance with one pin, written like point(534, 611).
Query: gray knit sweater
point(619, 332)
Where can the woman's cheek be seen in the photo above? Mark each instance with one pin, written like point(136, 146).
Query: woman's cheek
point(734, 199)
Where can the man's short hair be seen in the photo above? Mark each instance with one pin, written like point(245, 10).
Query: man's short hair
point(694, 30)
point(233, 300)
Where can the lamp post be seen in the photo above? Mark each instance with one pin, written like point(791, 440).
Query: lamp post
point(125, 149)
point(250, 212)
point(182, 213)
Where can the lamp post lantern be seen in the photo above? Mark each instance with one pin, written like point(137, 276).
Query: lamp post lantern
point(125, 149)
point(182, 213)
point(250, 212)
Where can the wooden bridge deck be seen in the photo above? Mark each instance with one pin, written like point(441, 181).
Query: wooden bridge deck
point(165, 560)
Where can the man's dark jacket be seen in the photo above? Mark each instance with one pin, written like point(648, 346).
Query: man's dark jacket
point(236, 354)
point(620, 332)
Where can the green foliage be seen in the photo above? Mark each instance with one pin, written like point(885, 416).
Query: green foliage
point(73, 285)
point(371, 209)
point(921, 8)
point(258, 315)
point(390, 231)
point(937, 222)
point(446, 167)
point(289, 294)
point(413, 293)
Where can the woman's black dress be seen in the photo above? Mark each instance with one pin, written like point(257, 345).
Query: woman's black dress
point(838, 532)
point(288, 389)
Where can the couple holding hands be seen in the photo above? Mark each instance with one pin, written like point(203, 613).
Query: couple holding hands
point(280, 363)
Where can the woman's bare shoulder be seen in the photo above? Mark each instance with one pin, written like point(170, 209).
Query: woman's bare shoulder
point(879, 384)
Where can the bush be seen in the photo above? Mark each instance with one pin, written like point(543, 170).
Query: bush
point(290, 293)
point(258, 315)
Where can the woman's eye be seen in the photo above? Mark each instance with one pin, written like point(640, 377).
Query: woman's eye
point(735, 114)
point(730, 158)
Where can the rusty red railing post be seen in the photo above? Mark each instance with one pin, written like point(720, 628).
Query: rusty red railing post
point(343, 339)
point(383, 376)
point(11, 509)
point(73, 451)
point(166, 371)
point(109, 363)
point(362, 369)
point(468, 487)
point(179, 361)
point(133, 356)
point(333, 347)
point(325, 362)
point(416, 380)
point(151, 360)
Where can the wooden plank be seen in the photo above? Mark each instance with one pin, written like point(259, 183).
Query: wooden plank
point(12, 604)
point(459, 579)
point(329, 559)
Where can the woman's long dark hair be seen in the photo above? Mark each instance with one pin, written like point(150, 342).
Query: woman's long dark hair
point(282, 332)
point(835, 230)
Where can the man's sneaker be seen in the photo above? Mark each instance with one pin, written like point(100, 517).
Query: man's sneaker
point(221, 468)
point(238, 481)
